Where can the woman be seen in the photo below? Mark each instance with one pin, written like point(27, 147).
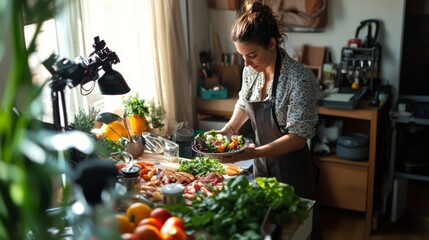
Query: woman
point(279, 96)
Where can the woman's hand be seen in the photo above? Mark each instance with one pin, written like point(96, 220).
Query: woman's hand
point(248, 153)
point(222, 131)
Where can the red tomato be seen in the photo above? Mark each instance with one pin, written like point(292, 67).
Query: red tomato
point(128, 236)
point(160, 214)
point(175, 221)
point(151, 221)
point(173, 233)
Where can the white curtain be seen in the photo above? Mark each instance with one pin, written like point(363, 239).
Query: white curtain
point(170, 61)
point(70, 45)
point(147, 36)
point(61, 36)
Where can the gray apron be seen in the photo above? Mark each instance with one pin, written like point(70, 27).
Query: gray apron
point(292, 168)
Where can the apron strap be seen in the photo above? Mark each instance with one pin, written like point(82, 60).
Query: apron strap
point(274, 87)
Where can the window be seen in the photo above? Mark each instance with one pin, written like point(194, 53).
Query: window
point(124, 29)
point(46, 45)
point(103, 18)
point(148, 57)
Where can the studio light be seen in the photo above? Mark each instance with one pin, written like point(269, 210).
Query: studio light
point(81, 71)
point(112, 83)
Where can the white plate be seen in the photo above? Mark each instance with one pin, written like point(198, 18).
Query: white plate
point(224, 154)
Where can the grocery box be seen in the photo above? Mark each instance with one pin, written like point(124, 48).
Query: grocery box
point(208, 94)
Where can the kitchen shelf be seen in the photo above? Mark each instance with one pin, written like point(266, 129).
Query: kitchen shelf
point(335, 159)
point(409, 143)
point(218, 107)
point(351, 184)
point(413, 176)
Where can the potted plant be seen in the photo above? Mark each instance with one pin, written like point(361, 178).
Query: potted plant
point(136, 112)
point(26, 182)
point(85, 121)
point(156, 116)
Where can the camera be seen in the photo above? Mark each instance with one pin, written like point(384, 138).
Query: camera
point(81, 70)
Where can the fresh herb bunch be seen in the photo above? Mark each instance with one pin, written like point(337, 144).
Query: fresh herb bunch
point(156, 114)
point(281, 197)
point(201, 166)
point(135, 105)
point(85, 121)
point(237, 210)
point(104, 146)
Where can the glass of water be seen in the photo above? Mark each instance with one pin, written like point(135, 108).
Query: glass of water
point(171, 151)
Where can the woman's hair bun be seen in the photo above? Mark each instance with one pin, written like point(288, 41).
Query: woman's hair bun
point(256, 7)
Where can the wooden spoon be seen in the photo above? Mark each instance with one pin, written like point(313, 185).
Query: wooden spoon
point(128, 131)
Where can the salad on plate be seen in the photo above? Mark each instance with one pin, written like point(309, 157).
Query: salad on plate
point(215, 144)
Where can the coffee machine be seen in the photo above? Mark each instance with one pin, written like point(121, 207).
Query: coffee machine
point(360, 59)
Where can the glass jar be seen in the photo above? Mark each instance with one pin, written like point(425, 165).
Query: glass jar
point(184, 137)
point(172, 193)
point(130, 178)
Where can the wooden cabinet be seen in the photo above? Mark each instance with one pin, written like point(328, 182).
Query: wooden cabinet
point(350, 184)
point(342, 183)
point(217, 107)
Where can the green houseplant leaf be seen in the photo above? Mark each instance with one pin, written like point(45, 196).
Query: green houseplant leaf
point(135, 105)
point(26, 188)
point(85, 121)
point(156, 114)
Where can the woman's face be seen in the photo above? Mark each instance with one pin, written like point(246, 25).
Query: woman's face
point(257, 56)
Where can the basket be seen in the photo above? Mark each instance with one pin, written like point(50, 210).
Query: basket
point(208, 94)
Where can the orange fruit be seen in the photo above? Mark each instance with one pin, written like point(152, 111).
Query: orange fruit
point(147, 232)
point(160, 214)
point(137, 212)
point(124, 225)
point(115, 134)
point(151, 221)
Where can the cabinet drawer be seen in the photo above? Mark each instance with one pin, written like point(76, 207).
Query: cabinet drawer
point(342, 185)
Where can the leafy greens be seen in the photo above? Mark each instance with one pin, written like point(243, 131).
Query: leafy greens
point(237, 210)
point(201, 166)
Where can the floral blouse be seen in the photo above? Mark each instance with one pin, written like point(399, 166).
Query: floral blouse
point(296, 96)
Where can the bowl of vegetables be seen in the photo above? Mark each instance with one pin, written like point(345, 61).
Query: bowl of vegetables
point(214, 144)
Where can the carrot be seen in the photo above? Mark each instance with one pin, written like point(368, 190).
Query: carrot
point(221, 148)
point(233, 145)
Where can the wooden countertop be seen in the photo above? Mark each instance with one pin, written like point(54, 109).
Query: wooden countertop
point(158, 160)
point(292, 230)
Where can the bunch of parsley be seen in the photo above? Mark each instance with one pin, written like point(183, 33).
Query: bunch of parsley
point(201, 166)
point(237, 210)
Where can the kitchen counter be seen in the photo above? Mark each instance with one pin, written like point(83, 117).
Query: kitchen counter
point(292, 230)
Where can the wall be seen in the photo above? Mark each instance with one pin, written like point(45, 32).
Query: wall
point(198, 36)
point(343, 19)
